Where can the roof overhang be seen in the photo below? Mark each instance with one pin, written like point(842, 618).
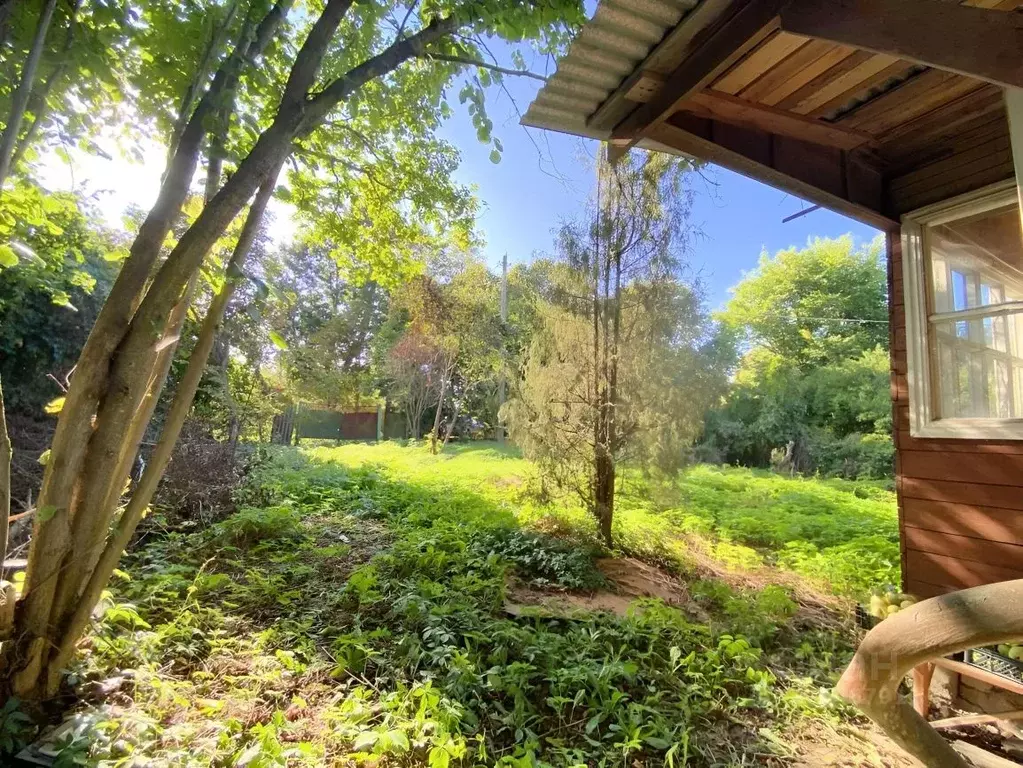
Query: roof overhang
point(852, 104)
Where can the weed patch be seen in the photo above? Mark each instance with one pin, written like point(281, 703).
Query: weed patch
point(353, 611)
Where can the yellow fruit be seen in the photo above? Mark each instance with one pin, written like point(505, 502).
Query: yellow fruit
point(1004, 649)
point(1016, 654)
point(892, 610)
point(906, 604)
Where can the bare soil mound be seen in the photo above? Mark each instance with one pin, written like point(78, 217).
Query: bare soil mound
point(629, 580)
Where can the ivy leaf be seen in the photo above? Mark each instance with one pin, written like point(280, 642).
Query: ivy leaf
point(278, 340)
point(8, 258)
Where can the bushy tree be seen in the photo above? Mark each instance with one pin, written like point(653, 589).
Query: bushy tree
point(625, 361)
point(811, 392)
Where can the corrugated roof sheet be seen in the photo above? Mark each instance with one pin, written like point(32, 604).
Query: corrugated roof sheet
point(621, 34)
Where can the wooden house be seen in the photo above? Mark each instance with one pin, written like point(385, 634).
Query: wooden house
point(906, 115)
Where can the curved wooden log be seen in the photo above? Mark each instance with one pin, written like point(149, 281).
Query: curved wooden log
point(928, 630)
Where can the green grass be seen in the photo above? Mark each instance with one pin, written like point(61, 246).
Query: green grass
point(351, 611)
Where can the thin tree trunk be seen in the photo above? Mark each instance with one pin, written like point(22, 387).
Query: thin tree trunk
point(113, 373)
point(5, 19)
point(24, 90)
point(218, 37)
point(5, 480)
point(173, 424)
point(451, 426)
point(39, 105)
point(436, 416)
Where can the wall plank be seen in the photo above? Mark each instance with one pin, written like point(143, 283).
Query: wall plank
point(945, 571)
point(974, 520)
point(1000, 553)
point(1001, 496)
point(994, 469)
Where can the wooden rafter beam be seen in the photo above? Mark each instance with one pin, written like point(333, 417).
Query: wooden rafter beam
point(745, 24)
point(839, 180)
point(978, 42)
point(731, 109)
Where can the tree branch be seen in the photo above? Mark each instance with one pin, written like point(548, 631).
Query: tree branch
point(486, 65)
point(384, 62)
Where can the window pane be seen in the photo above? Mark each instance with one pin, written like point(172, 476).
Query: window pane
point(979, 367)
point(976, 261)
point(977, 362)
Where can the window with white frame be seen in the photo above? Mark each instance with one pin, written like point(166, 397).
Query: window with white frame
point(963, 266)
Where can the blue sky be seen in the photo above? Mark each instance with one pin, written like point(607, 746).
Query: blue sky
point(545, 178)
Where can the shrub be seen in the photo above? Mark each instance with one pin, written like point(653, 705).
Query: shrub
point(854, 457)
point(252, 525)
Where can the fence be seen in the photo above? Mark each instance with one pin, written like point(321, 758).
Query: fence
point(297, 422)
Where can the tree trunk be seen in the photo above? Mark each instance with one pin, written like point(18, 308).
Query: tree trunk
point(115, 369)
point(24, 90)
point(39, 104)
point(451, 426)
point(5, 480)
point(604, 493)
point(436, 416)
point(94, 423)
point(76, 622)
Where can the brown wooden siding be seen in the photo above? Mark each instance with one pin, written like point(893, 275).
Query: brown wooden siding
point(960, 501)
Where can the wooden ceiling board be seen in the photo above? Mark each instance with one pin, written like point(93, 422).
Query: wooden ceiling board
point(770, 52)
point(835, 55)
point(958, 115)
point(900, 158)
point(900, 70)
point(841, 84)
point(785, 69)
point(797, 71)
point(985, 154)
point(916, 96)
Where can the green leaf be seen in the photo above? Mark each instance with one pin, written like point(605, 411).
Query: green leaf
point(278, 340)
point(365, 741)
point(8, 258)
point(46, 513)
point(54, 406)
point(439, 758)
point(495, 156)
point(44, 457)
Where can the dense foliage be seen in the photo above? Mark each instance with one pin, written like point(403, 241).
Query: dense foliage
point(353, 608)
point(811, 393)
point(56, 265)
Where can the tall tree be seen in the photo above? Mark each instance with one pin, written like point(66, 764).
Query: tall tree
point(351, 60)
point(625, 320)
